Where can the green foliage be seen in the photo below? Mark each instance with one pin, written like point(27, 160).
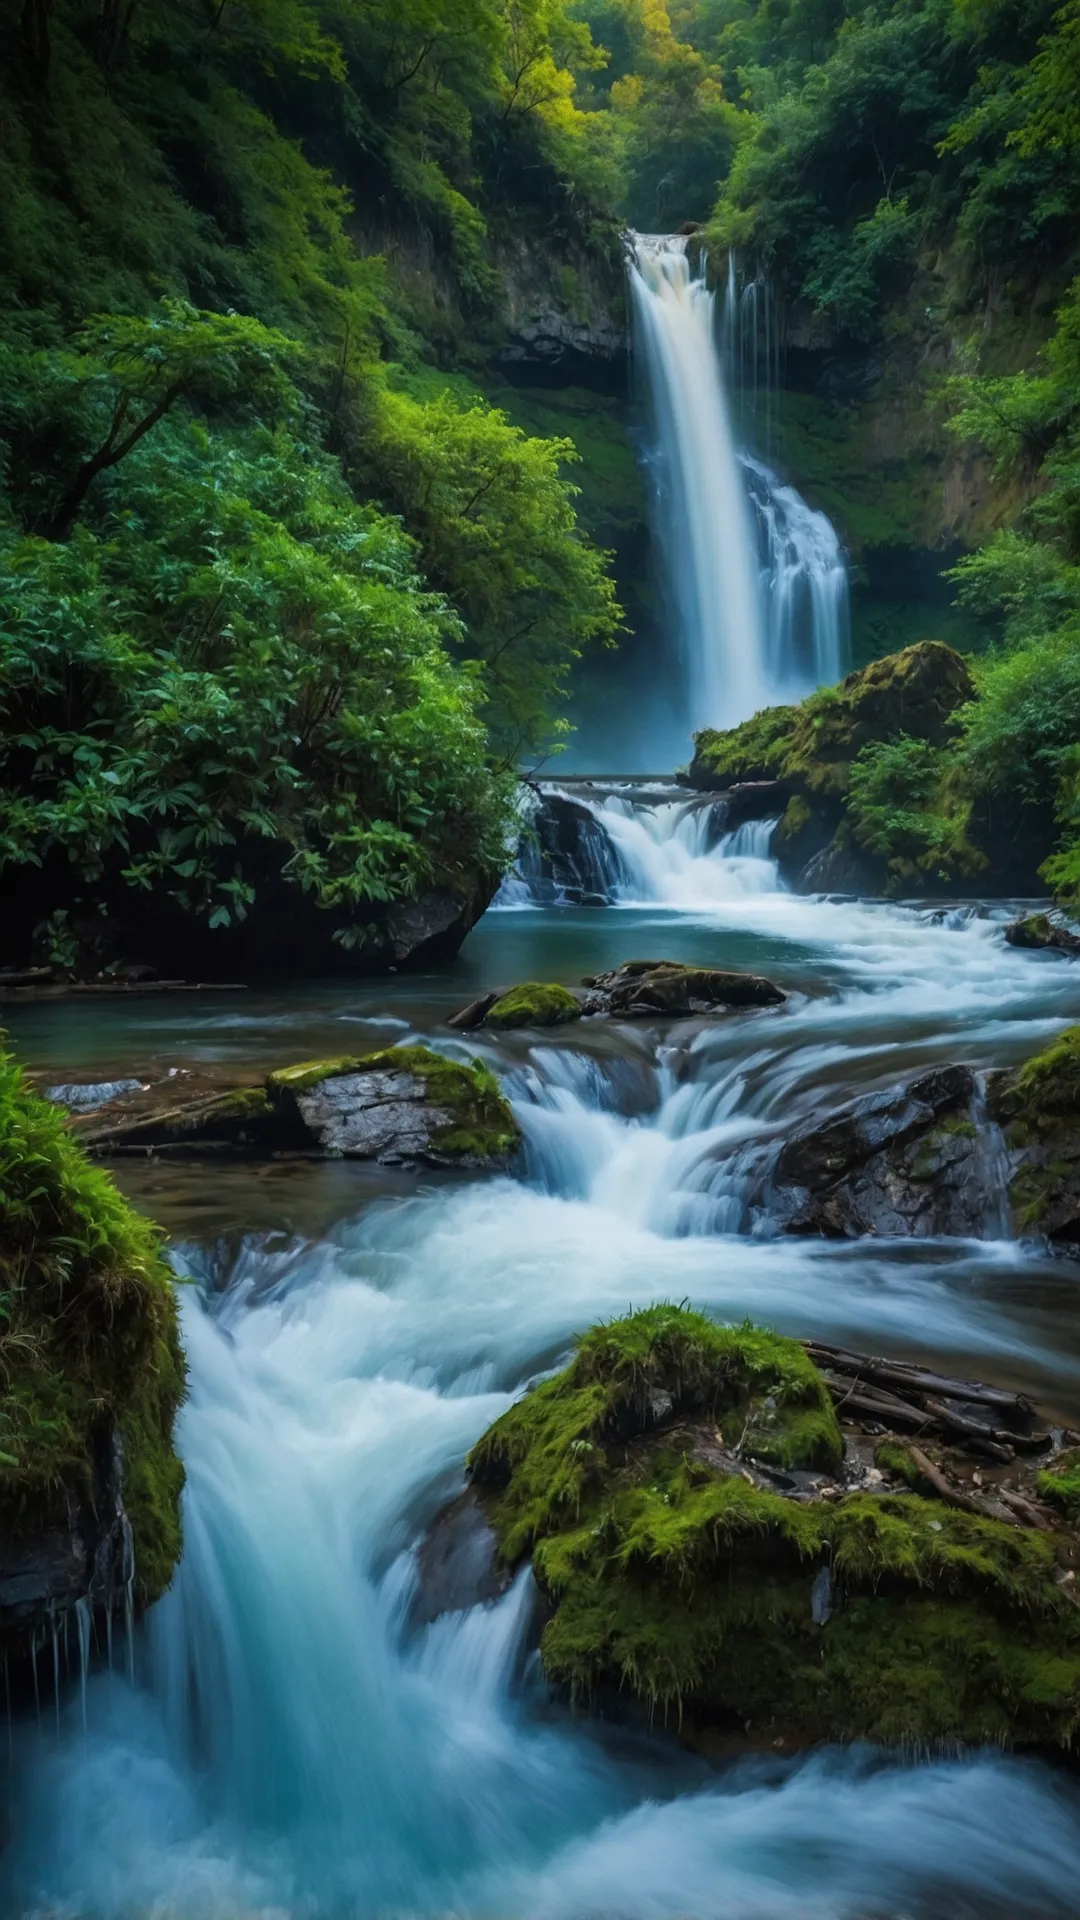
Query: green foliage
point(495, 523)
point(903, 806)
point(88, 1339)
point(231, 651)
point(233, 673)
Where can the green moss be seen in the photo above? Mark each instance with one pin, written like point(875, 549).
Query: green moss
point(756, 750)
point(309, 1073)
point(88, 1339)
point(549, 1454)
point(1037, 928)
point(481, 1125)
point(537, 1003)
point(1061, 1483)
point(1049, 1085)
point(892, 1457)
point(811, 747)
point(673, 1576)
point(795, 819)
point(246, 1103)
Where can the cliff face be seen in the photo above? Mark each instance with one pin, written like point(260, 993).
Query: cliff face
point(861, 431)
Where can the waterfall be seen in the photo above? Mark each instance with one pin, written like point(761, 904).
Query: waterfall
point(758, 576)
point(706, 517)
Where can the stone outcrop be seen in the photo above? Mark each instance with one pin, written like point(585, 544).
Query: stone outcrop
point(649, 988)
point(914, 1159)
point(566, 313)
point(639, 989)
point(1043, 931)
point(1038, 1110)
point(802, 757)
point(711, 1543)
point(400, 1106)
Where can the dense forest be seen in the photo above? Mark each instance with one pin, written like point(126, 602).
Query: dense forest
point(295, 574)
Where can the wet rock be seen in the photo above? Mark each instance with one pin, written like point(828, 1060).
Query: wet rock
point(639, 989)
point(458, 1564)
point(433, 925)
point(566, 856)
point(840, 868)
point(401, 1105)
point(1038, 1109)
point(1043, 930)
point(750, 1563)
point(647, 988)
point(91, 1375)
point(909, 1159)
point(81, 1554)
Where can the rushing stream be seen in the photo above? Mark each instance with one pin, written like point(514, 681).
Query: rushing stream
point(297, 1740)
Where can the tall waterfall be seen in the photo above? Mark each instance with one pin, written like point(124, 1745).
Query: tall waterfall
point(758, 576)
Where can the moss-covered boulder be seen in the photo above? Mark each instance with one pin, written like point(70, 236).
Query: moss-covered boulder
point(537, 1003)
point(637, 989)
point(1043, 931)
point(810, 751)
point(398, 1105)
point(810, 747)
point(1038, 1109)
point(643, 988)
point(91, 1375)
point(680, 1492)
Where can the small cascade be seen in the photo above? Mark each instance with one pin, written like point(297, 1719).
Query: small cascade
point(624, 844)
point(758, 576)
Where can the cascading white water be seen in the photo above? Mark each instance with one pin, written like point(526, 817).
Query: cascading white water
point(658, 849)
point(758, 576)
point(300, 1753)
point(710, 537)
point(804, 588)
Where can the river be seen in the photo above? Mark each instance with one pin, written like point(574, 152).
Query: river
point(289, 1740)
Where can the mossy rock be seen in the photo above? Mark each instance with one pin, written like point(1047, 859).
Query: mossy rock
point(401, 1104)
point(653, 1485)
point(1038, 1109)
point(536, 1003)
point(93, 1374)
point(810, 747)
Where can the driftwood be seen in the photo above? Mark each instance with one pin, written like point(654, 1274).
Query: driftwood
point(953, 1496)
point(897, 1373)
point(12, 989)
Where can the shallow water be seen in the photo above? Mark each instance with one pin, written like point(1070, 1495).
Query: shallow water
point(292, 1745)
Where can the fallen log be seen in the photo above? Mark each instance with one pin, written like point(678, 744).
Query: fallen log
point(898, 1373)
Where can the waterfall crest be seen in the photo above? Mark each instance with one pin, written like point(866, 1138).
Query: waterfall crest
point(758, 576)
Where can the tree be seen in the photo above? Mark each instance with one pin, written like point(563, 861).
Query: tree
point(495, 520)
point(132, 370)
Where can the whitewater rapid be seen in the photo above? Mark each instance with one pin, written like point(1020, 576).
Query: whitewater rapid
point(295, 1744)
